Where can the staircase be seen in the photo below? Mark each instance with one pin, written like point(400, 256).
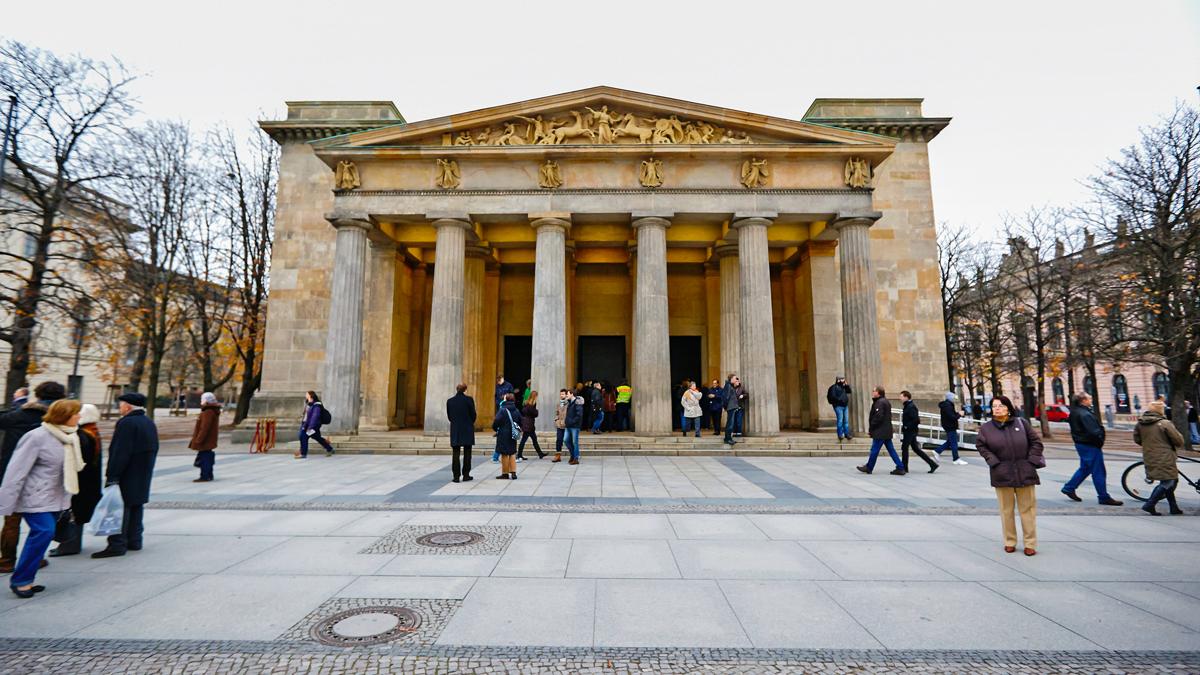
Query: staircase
point(616, 444)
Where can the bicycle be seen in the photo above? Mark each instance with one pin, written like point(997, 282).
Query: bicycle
point(1140, 488)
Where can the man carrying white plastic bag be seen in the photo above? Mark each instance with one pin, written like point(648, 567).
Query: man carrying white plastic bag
point(131, 455)
point(109, 515)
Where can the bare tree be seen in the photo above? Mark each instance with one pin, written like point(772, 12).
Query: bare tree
point(954, 252)
point(208, 295)
point(1148, 200)
point(250, 178)
point(1029, 266)
point(986, 314)
point(161, 186)
point(68, 112)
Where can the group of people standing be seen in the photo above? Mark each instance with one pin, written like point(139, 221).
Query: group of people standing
point(51, 459)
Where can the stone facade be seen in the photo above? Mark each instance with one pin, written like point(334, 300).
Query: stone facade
point(601, 233)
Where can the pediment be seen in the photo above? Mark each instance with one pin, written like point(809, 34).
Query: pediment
point(604, 116)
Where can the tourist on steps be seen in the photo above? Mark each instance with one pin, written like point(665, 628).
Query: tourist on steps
point(692, 412)
point(732, 397)
point(879, 425)
point(565, 399)
point(714, 404)
point(460, 411)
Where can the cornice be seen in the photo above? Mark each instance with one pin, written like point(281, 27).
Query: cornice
point(304, 130)
point(342, 194)
point(916, 130)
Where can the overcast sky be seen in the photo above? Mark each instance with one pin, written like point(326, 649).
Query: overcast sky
point(1040, 92)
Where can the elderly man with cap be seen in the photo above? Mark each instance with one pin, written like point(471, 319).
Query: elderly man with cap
point(131, 455)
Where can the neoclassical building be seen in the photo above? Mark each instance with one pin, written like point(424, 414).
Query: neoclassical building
point(601, 234)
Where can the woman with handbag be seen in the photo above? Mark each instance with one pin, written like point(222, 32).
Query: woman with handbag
point(507, 425)
point(69, 533)
point(1013, 452)
point(41, 477)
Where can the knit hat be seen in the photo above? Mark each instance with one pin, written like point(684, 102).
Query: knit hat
point(89, 414)
point(950, 396)
point(133, 398)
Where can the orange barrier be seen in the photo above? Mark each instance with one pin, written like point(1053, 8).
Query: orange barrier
point(264, 436)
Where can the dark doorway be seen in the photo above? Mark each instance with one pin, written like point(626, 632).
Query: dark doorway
point(518, 354)
point(601, 357)
point(685, 365)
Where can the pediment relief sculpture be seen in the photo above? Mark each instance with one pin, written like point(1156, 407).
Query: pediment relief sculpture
point(597, 126)
point(345, 177)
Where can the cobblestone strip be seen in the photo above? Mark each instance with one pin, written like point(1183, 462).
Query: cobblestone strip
point(111, 656)
point(692, 507)
point(403, 539)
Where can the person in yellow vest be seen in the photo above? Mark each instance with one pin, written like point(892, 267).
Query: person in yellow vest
point(624, 395)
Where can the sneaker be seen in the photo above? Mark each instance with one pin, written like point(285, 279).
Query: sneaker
point(936, 457)
point(495, 461)
point(520, 459)
point(961, 462)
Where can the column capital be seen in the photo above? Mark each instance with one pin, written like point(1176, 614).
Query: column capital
point(539, 221)
point(750, 221)
point(462, 221)
point(650, 221)
point(340, 221)
point(477, 251)
point(725, 249)
point(855, 220)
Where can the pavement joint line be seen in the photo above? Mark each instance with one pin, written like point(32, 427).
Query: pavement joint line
point(1027, 608)
point(1096, 586)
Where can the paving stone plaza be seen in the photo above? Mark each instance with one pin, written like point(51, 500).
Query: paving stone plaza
point(621, 564)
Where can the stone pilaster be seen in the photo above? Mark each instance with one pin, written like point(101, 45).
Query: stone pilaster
point(474, 320)
point(758, 331)
point(445, 321)
point(343, 345)
point(791, 396)
point(731, 310)
point(651, 329)
point(864, 369)
point(549, 351)
point(378, 372)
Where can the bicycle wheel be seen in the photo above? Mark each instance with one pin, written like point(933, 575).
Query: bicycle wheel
point(1135, 483)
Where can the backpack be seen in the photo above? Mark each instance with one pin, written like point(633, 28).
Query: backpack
point(326, 418)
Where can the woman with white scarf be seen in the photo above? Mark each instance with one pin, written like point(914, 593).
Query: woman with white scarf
point(41, 477)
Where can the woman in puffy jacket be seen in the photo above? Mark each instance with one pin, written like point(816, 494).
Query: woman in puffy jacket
point(1161, 443)
point(507, 419)
point(529, 415)
point(1013, 452)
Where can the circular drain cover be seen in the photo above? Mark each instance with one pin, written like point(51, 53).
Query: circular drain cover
point(449, 539)
point(366, 626)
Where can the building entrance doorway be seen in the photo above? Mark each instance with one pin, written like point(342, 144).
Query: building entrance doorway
point(601, 357)
point(685, 365)
point(518, 354)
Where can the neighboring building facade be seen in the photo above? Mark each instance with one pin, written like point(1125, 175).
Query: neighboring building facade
point(601, 234)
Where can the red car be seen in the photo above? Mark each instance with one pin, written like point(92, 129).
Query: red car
point(1054, 413)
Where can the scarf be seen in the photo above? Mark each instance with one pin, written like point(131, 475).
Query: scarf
point(72, 455)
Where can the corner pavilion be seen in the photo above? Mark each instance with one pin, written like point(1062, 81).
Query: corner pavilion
point(601, 234)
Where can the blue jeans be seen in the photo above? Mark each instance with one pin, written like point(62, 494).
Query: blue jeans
point(842, 414)
point(571, 436)
point(691, 423)
point(41, 533)
point(597, 420)
point(878, 443)
point(733, 422)
point(1091, 462)
point(951, 443)
point(1195, 429)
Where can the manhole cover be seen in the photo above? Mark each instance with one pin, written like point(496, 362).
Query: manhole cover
point(449, 539)
point(366, 626)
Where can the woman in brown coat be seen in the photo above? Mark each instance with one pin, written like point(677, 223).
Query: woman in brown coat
point(204, 437)
point(1161, 443)
point(1013, 452)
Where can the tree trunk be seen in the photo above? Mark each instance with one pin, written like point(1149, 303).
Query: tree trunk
point(1090, 365)
point(139, 361)
point(250, 383)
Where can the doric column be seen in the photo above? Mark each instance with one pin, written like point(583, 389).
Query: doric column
point(790, 415)
point(343, 345)
point(445, 321)
point(548, 369)
point(651, 329)
point(758, 331)
point(864, 369)
point(731, 310)
point(377, 370)
point(474, 318)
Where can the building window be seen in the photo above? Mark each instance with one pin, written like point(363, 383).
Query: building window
point(1060, 395)
point(1121, 393)
point(1162, 385)
point(1089, 386)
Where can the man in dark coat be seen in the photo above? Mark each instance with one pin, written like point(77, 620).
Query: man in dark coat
point(839, 397)
point(733, 395)
point(460, 410)
point(879, 425)
point(16, 424)
point(950, 418)
point(910, 424)
point(131, 456)
point(1088, 435)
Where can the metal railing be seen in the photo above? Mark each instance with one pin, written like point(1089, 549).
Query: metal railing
point(929, 429)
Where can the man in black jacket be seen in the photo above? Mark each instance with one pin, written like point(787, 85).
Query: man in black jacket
point(16, 424)
point(131, 456)
point(879, 425)
point(1088, 435)
point(950, 418)
point(910, 423)
point(839, 397)
point(460, 410)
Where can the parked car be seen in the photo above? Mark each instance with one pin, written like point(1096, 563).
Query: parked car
point(1054, 413)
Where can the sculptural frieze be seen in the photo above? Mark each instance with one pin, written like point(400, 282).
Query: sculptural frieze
point(651, 173)
point(597, 126)
point(755, 173)
point(858, 172)
point(448, 176)
point(549, 175)
point(345, 177)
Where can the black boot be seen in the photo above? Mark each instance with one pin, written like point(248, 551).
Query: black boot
point(1175, 510)
point(1155, 497)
